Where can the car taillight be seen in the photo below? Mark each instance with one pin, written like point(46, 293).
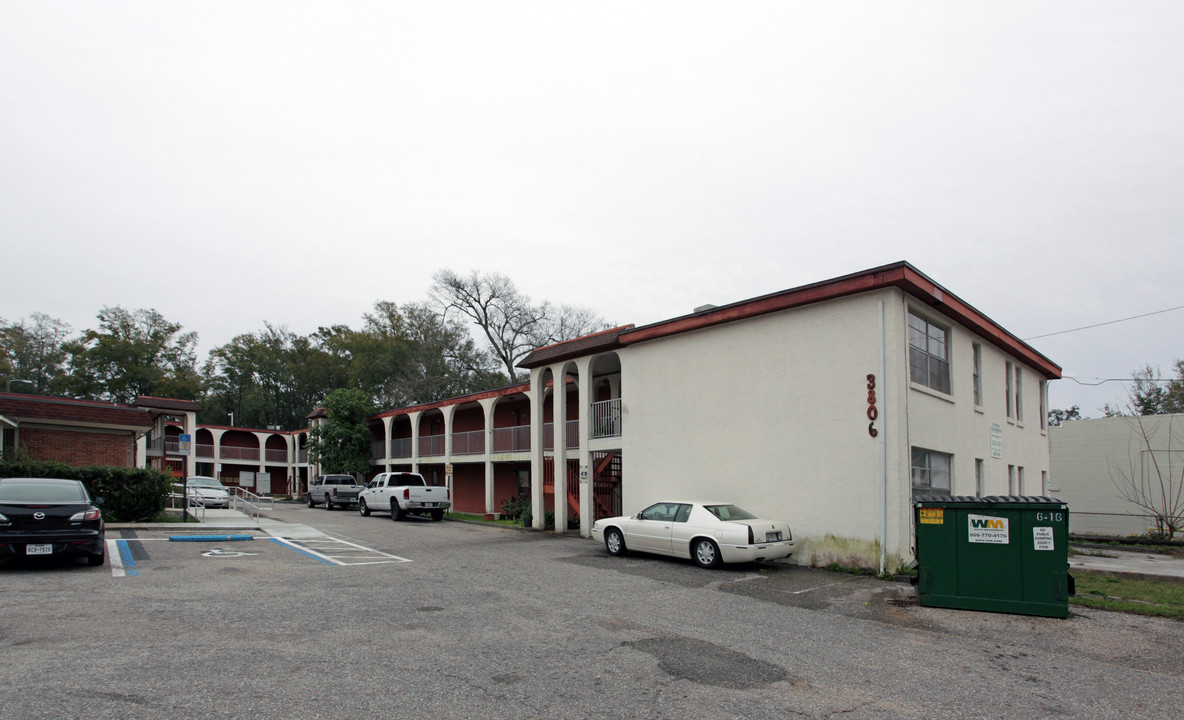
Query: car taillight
point(92, 514)
point(751, 536)
point(407, 493)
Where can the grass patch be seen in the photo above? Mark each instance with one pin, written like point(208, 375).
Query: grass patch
point(1143, 597)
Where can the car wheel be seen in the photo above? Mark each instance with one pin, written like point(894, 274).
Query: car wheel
point(614, 542)
point(310, 502)
point(397, 513)
point(95, 560)
point(437, 515)
point(705, 553)
point(365, 511)
point(328, 504)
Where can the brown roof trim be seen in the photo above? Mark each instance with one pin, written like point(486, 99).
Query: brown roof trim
point(900, 275)
point(577, 347)
point(65, 411)
point(460, 399)
point(155, 403)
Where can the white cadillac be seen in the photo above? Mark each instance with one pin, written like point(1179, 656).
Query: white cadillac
point(708, 533)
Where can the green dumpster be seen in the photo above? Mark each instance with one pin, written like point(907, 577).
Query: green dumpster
point(1000, 553)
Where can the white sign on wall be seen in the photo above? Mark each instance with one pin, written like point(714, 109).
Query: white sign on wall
point(988, 529)
point(996, 440)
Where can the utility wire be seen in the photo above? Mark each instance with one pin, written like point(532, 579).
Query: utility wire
point(1102, 381)
point(1087, 327)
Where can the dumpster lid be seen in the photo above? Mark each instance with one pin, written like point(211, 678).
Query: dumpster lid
point(971, 499)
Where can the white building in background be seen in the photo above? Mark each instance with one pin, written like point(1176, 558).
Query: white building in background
point(828, 405)
point(1090, 457)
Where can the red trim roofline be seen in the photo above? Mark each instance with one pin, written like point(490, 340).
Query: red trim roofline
point(500, 392)
point(899, 275)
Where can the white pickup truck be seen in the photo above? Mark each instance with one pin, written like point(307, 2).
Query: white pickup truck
point(404, 493)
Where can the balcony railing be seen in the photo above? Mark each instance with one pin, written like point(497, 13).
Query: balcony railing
point(468, 443)
point(205, 451)
point(511, 439)
point(573, 435)
point(606, 418)
point(240, 453)
point(276, 456)
point(431, 446)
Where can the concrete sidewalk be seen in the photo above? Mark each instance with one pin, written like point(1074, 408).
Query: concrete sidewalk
point(226, 520)
point(1140, 562)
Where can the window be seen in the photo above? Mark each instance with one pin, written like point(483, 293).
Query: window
point(1043, 413)
point(931, 472)
point(978, 377)
point(1007, 390)
point(929, 362)
point(1020, 479)
point(1019, 405)
point(978, 477)
point(1043, 482)
point(1011, 479)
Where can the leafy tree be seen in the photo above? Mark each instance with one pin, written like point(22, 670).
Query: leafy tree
point(32, 352)
point(133, 353)
point(1058, 417)
point(512, 326)
point(341, 442)
point(1152, 476)
point(1150, 394)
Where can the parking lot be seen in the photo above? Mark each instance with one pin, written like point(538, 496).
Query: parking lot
point(365, 617)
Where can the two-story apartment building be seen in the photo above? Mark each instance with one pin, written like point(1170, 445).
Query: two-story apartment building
point(828, 405)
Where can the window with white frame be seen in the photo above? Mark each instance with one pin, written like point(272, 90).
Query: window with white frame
point(977, 349)
point(1011, 479)
point(1007, 390)
point(929, 359)
point(1040, 389)
point(978, 477)
point(932, 472)
point(1020, 479)
point(1019, 394)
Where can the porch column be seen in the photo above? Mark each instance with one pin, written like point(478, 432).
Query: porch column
point(387, 422)
point(559, 457)
point(414, 418)
point(538, 392)
point(487, 406)
point(584, 368)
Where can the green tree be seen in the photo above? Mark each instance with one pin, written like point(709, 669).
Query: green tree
point(1151, 394)
point(133, 353)
point(1058, 417)
point(32, 353)
point(510, 323)
point(341, 442)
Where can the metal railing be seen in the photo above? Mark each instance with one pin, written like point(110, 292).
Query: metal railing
point(239, 453)
point(468, 443)
point(177, 501)
point(606, 418)
point(511, 439)
point(431, 446)
point(572, 435)
point(248, 502)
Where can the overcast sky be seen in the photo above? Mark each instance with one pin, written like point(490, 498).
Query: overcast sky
point(231, 163)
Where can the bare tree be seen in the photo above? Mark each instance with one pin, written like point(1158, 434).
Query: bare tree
point(1153, 476)
point(512, 326)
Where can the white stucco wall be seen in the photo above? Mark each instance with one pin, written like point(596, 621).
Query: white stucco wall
point(771, 413)
point(1085, 453)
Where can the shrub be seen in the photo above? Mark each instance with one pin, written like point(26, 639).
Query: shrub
point(128, 494)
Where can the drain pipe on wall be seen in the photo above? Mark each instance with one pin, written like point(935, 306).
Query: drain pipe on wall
point(883, 458)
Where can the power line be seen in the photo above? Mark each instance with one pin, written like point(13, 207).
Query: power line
point(1102, 381)
point(1087, 327)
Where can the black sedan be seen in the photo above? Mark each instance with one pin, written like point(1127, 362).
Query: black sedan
point(49, 517)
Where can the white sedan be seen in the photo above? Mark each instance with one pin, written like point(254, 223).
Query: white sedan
point(206, 492)
point(708, 533)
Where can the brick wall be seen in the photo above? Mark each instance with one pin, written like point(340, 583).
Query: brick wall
point(79, 448)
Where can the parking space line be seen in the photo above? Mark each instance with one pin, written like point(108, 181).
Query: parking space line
point(334, 551)
point(123, 564)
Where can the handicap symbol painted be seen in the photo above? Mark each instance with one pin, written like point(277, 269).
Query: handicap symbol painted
point(219, 552)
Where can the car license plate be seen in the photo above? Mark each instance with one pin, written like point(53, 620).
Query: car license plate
point(39, 549)
point(773, 537)
point(429, 505)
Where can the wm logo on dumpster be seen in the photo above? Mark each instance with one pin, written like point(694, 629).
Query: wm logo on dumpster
point(988, 529)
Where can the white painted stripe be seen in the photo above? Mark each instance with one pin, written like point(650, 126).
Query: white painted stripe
point(115, 559)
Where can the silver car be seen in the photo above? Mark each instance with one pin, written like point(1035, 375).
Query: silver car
point(206, 492)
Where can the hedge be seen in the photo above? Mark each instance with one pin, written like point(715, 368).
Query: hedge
point(128, 494)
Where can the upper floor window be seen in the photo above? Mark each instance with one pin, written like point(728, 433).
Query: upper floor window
point(929, 360)
point(1019, 405)
point(1007, 390)
point(978, 373)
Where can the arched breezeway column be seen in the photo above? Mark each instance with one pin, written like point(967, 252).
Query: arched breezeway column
point(414, 418)
point(387, 422)
point(487, 406)
point(559, 456)
point(584, 368)
point(538, 394)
